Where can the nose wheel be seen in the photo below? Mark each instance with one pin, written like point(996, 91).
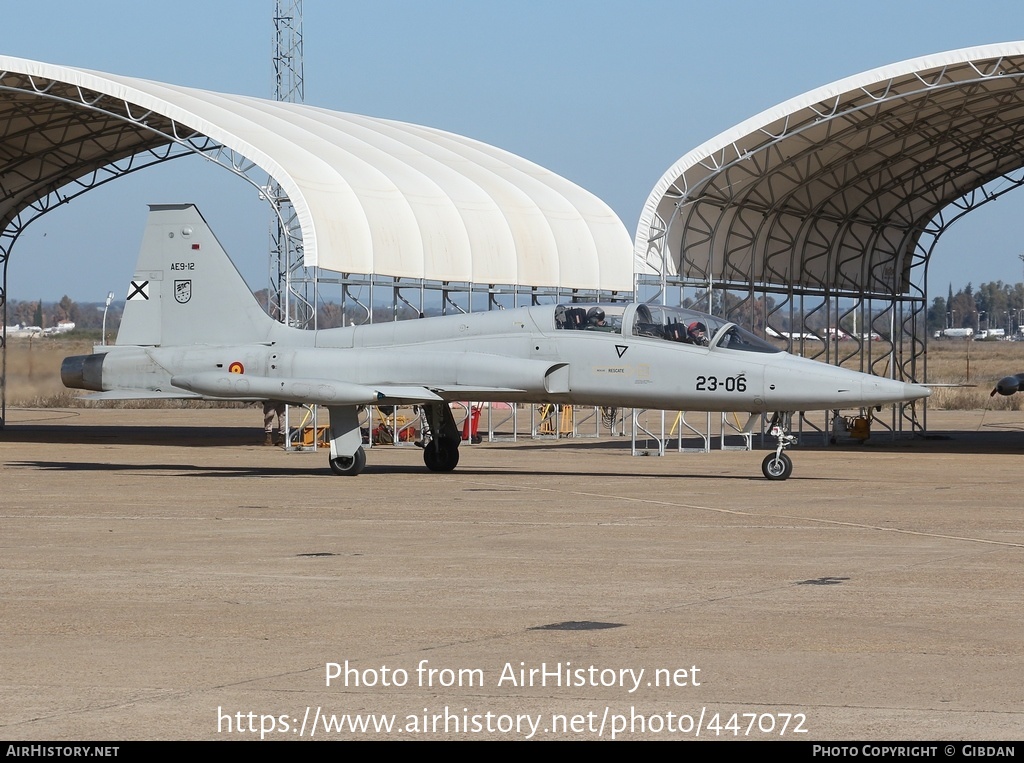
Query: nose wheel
point(777, 465)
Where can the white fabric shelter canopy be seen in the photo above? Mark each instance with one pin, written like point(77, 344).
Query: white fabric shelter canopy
point(834, 189)
point(372, 196)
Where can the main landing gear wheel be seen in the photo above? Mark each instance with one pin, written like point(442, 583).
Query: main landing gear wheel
point(349, 466)
point(440, 455)
point(777, 466)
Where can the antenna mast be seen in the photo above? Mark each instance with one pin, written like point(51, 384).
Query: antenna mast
point(289, 300)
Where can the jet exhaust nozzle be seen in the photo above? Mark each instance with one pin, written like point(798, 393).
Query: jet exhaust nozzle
point(83, 372)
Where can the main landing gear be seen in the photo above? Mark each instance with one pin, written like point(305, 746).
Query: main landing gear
point(349, 466)
point(347, 457)
point(777, 465)
point(441, 454)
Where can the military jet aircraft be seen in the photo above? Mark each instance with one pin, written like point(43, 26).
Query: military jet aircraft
point(192, 329)
point(1008, 385)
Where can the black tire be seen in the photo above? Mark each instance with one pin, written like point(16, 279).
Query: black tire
point(777, 467)
point(349, 466)
point(441, 455)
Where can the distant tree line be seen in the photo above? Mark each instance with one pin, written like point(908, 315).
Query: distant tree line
point(88, 316)
point(85, 315)
point(993, 305)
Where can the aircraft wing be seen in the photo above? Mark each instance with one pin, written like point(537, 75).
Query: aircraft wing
point(227, 386)
point(138, 394)
point(398, 395)
point(306, 391)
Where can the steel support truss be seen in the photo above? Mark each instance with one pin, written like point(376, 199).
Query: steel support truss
point(292, 295)
point(826, 223)
point(72, 140)
point(375, 298)
point(68, 140)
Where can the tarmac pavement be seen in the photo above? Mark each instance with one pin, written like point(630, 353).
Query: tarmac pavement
point(166, 577)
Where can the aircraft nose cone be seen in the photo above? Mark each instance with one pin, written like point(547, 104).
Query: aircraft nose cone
point(916, 391)
point(802, 384)
point(881, 391)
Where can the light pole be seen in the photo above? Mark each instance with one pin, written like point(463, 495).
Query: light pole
point(110, 298)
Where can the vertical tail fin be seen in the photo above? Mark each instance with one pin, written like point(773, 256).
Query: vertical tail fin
point(185, 289)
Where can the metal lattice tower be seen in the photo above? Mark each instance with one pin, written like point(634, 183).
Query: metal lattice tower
point(289, 296)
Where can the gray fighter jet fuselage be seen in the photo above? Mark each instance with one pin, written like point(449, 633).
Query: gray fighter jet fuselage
point(191, 328)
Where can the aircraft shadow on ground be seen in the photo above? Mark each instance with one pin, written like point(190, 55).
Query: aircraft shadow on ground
point(194, 470)
point(192, 437)
point(994, 439)
point(999, 438)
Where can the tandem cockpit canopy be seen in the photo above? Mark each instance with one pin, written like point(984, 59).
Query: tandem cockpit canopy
point(660, 322)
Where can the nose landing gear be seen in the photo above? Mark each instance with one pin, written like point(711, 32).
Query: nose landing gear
point(777, 465)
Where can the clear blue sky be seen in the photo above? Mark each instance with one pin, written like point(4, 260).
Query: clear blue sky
point(608, 94)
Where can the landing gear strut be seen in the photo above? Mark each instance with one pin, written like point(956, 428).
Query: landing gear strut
point(777, 465)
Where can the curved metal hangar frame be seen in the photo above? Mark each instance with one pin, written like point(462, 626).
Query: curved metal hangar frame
point(363, 196)
point(826, 208)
